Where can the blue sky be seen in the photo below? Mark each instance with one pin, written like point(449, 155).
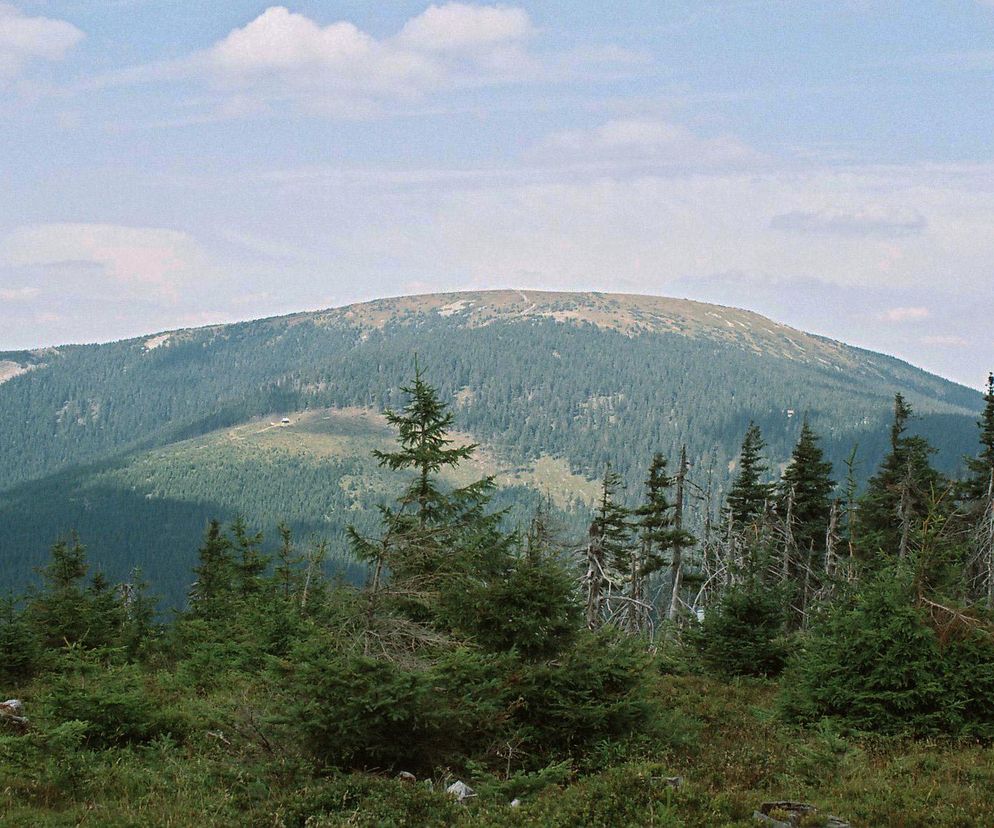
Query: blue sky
point(830, 164)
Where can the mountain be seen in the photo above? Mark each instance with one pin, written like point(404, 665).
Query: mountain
point(136, 443)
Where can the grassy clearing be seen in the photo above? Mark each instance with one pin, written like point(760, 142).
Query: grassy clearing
point(724, 740)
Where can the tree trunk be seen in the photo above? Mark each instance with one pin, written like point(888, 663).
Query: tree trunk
point(676, 565)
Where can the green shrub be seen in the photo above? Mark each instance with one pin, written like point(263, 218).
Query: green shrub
point(596, 691)
point(359, 712)
point(743, 635)
point(532, 609)
point(111, 699)
point(877, 664)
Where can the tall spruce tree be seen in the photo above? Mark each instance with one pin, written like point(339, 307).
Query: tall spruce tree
point(249, 562)
point(215, 572)
point(900, 494)
point(59, 610)
point(807, 485)
point(749, 495)
point(980, 468)
point(613, 526)
point(609, 549)
point(661, 534)
point(423, 426)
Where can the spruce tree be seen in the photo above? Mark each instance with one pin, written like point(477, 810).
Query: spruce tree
point(19, 648)
point(215, 572)
point(138, 609)
point(807, 483)
point(249, 562)
point(438, 549)
point(980, 469)
point(613, 526)
point(59, 612)
point(749, 495)
point(423, 426)
point(901, 492)
point(287, 572)
point(104, 611)
point(662, 537)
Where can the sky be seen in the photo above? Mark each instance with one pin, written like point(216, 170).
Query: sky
point(829, 163)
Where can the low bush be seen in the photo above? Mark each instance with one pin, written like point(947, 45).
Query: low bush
point(879, 664)
point(743, 635)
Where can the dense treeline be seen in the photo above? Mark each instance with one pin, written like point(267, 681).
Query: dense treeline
point(76, 446)
point(504, 657)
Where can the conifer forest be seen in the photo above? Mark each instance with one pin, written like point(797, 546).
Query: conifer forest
point(802, 645)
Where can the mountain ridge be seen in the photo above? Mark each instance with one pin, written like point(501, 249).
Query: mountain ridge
point(628, 313)
point(556, 385)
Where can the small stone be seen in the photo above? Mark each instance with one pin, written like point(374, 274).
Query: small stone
point(12, 711)
point(515, 803)
point(407, 776)
point(460, 790)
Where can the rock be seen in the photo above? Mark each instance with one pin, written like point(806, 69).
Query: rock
point(460, 790)
point(12, 711)
point(668, 781)
point(515, 803)
point(407, 776)
point(790, 815)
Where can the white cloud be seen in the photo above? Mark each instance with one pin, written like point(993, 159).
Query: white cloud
point(24, 39)
point(457, 27)
point(147, 257)
point(863, 221)
point(912, 314)
point(645, 140)
point(283, 56)
point(21, 294)
point(278, 39)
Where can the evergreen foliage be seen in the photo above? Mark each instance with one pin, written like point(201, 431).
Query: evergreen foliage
point(656, 520)
point(20, 649)
point(976, 487)
point(283, 697)
point(807, 483)
point(115, 439)
point(744, 634)
point(423, 428)
point(750, 495)
point(882, 663)
point(898, 495)
point(612, 527)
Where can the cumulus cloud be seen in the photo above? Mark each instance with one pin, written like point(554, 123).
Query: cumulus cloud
point(340, 69)
point(147, 257)
point(887, 222)
point(910, 314)
point(457, 27)
point(645, 140)
point(24, 39)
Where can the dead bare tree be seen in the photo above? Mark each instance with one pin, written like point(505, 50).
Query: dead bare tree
point(595, 580)
point(676, 564)
point(981, 564)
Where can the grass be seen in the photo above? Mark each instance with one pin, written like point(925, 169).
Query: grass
point(722, 738)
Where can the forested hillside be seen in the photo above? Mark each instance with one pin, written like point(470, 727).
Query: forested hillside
point(113, 439)
point(807, 660)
